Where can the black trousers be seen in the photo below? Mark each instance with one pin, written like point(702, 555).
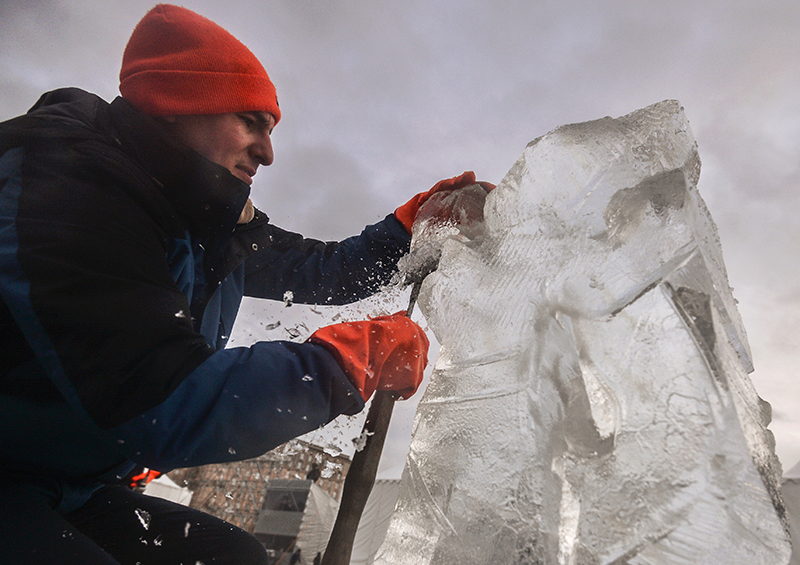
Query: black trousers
point(117, 527)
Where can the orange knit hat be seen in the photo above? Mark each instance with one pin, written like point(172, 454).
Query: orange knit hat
point(177, 62)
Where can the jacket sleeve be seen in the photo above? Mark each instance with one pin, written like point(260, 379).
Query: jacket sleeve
point(86, 276)
point(317, 272)
point(240, 403)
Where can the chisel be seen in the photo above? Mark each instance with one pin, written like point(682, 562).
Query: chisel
point(361, 475)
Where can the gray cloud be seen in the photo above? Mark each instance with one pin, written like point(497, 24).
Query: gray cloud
point(305, 193)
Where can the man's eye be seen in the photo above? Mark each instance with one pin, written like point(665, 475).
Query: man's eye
point(248, 121)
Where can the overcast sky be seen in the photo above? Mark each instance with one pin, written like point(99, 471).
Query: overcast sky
point(381, 99)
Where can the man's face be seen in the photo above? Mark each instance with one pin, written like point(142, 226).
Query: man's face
point(239, 141)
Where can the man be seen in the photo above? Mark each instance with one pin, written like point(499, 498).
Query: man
point(127, 240)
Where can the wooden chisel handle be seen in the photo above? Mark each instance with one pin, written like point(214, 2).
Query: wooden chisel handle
point(361, 475)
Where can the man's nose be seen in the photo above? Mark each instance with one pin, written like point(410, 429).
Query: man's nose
point(262, 150)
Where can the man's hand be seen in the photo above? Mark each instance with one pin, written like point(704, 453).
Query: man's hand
point(385, 353)
point(407, 213)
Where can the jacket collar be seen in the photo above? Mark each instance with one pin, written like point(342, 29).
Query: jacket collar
point(180, 188)
point(205, 194)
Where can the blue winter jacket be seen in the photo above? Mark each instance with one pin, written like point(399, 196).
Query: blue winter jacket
point(121, 272)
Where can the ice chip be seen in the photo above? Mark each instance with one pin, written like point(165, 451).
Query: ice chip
point(361, 441)
point(591, 401)
point(144, 518)
point(445, 215)
point(330, 469)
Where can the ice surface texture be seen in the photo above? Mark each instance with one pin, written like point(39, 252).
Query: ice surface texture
point(591, 402)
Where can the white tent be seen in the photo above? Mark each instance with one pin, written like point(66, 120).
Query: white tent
point(297, 514)
point(164, 487)
point(374, 521)
point(318, 520)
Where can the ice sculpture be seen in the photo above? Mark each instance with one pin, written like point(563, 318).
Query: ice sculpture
point(591, 403)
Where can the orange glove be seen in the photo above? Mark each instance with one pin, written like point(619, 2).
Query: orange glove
point(408, 211)
point(385, 353)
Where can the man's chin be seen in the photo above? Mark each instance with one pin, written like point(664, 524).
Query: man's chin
point(244, 175)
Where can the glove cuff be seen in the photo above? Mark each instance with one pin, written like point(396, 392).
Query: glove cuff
point(355, 367)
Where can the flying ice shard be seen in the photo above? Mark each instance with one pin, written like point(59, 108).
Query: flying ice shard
point(591, 403)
